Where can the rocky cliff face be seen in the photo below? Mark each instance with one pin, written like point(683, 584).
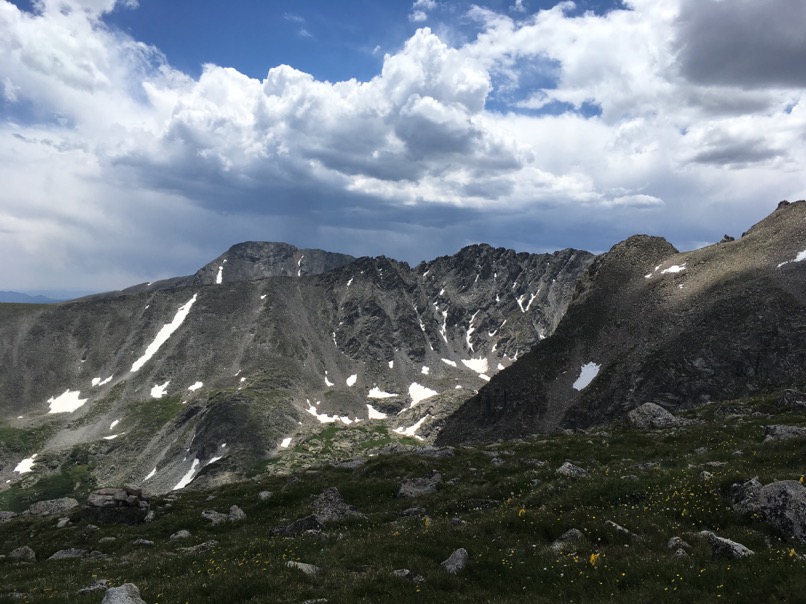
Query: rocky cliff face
point(650, 324)
point(205, 378)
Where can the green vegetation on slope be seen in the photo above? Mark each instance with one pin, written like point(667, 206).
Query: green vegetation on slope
point(504, 503)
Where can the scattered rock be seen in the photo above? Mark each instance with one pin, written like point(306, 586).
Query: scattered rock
point(792, 399)
point(265, 495)
point(63, 522)
point(6, 516)
point(415, 487)
point(776, 433)
point(183, 534)
point(569, 469)
point(650, 416)
point(308, 569)
point(69, 553)
point(725, 548)
point(214, 517)
point(107, 539)
point(201, 548)
point(308, 523)
point(125, 594)
point(331, 507)
point(676, 543)
point(481, 504)
point(706, 475)
point(568, 541)
point(680, 554)
point(141, 541)
point(22, 554)
point(456, 561)
point(413, 511)
point(96, 585)
point(51, 507)
point(620, 530)
point(127, 505)
point(409, 575)
point(236, 514)
point(782, 504)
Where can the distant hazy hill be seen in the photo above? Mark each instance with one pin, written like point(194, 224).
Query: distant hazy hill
point(24, 298)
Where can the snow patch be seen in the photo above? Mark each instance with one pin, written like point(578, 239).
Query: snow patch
point(285, 443)
point(425, 370)
point(219, 278)
point(66, 402)
point(99, 382)
point(195, 386)
point(162, 336)
point(675, 268)
point(799, 258)
point(299, 266)
point(449, 362)
point(111, 437)
point(486, 378)
point(391, 364)
point(324, 418)
point(411, 430)
point(160, 390)
point(586, 375)
point(470, 330)
point(263, 297)
point(419, 393)
point(478, 365)
point(26, 465)
point(113, 424)
point(350, 281)
point(352, 380)
point(500, 366)
point(151, 474)
point(187, 478)
point(379, 394)
point(374, 413)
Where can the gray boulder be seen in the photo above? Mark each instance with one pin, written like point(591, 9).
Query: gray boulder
point(456, 561)
point(308, 569)
point(125, 594)
point(214, 517)
point(782, 504)
point(183, 534)
point(725, 548)
point(264, 495)
point(650, 416)
point(778, 432)
point(330, 507)
point(69, 553)
point(22, 554)
point(236, 514)
point(569, 541)
point(126, 505)
point(415, 487)
point(792, 399)
point(51, 507)
point(569, 469)
point(302, 525)
point(6, 516)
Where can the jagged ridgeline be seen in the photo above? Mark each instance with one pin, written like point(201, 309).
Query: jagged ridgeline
point(258, 357)
point(650, 324)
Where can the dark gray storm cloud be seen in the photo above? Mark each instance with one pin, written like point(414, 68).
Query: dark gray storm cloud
point(745, 43)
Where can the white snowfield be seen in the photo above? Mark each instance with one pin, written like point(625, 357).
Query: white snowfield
point(195, 386)
point(166, 332)
point(99, 382)
point(113, 424)
point(151, 474)
point(26, 465)
point(419, 393)
point(478, 365)
point(219, 278)
point(160, 390)
point(67, 402)
point(379, 394)
point(374, 413)
point(449, 362)
point(675, 268)
point(187, 478)
point(412, 430)
point(352, 380)
point(285, 443)
point(586, 375)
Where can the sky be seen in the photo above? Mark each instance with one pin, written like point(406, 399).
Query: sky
point(141, 139)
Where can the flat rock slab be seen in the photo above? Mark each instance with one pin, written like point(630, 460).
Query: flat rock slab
point(22, 554)
point(650, 416)
point(125, 594)
point(66, 554)
point(51, 507)
point(308, 569)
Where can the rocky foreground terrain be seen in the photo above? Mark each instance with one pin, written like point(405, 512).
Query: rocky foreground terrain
point(704, 506)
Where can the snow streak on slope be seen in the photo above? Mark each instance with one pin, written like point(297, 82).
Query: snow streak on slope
point(586, 374)
point(187, 478)
point(67, 402)
point(166, 332)
point(419, 393)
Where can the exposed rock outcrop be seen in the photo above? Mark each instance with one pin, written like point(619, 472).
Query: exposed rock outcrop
point(126, 505)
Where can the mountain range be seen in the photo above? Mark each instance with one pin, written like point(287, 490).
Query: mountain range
point(269, 352)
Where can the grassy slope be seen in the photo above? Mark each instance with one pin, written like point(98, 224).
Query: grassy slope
point(512, 508)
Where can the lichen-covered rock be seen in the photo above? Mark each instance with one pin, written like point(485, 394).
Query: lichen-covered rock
point(125, 594)
point(308, 569)
point(569, 469)
point(568, 541)
point(51, 507)
point(22, 554)
point(781, 504)
point(650, 416)
point(779, 432)
point(331, 507)
point(456, 562)
point(415, 487)
point(726, 548)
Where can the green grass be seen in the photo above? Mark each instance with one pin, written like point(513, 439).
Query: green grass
point(504, 503)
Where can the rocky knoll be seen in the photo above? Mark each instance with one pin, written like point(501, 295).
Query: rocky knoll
point(650, 324)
